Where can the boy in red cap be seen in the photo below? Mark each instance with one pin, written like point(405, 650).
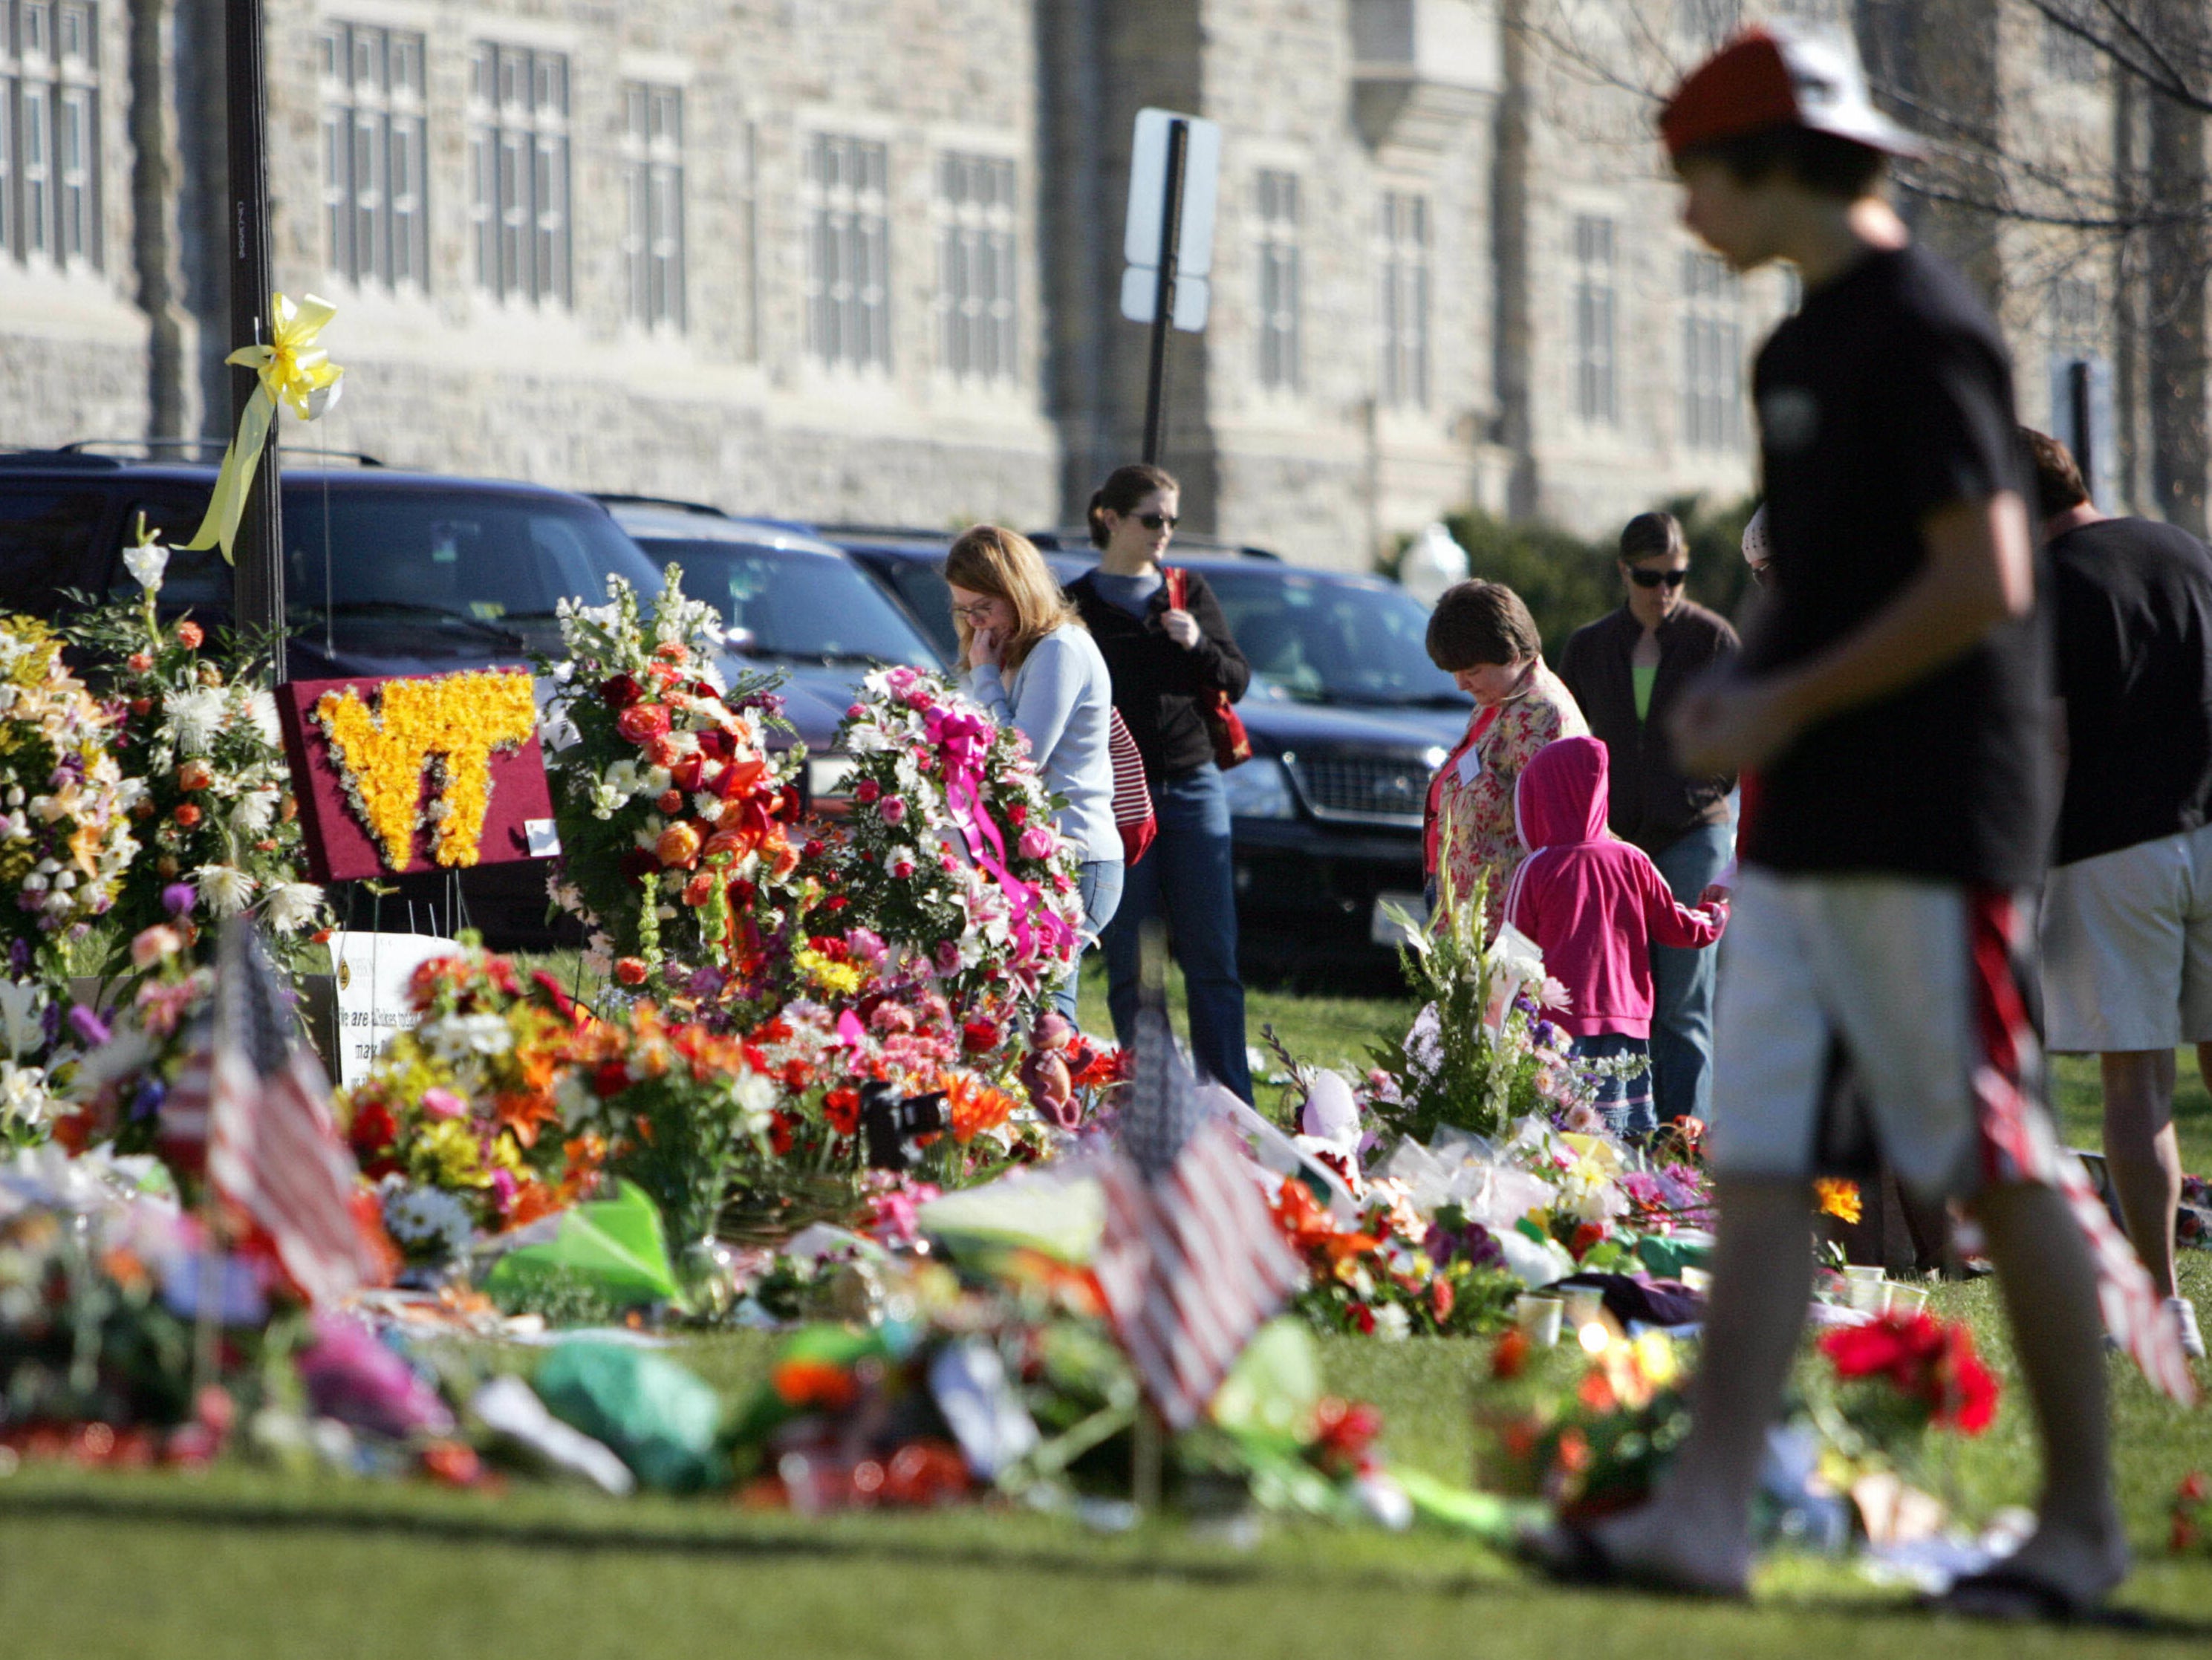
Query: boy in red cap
point(1892, 692)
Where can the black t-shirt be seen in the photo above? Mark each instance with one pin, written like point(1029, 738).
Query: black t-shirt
point(1886, 397)
point(2131, 604)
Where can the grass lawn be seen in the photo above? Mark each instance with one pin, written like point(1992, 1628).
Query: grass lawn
point(244, 1563)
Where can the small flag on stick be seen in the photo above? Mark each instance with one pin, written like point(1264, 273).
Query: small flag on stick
point(273, 1149)
point(1191, 1262)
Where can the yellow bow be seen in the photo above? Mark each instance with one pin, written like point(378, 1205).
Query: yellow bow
point(293, 369)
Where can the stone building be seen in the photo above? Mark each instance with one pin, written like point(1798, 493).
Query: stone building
point(861, 259)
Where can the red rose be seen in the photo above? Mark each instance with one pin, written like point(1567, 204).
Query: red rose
point(788, 804)
point(611, 1078)
point(699, 889)
point(841, 1106)
point(630, 970)
point(141, 706)
point(866, 791)
point(641, 723)
point(189, 635)
point(187, 815)
point(621, 690)
point(979, 1038)
point(1510, 1355)
point(796, 1076)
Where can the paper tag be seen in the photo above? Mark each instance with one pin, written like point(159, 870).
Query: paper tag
point(544, 840)
point(1470, 764)
point(373, 971)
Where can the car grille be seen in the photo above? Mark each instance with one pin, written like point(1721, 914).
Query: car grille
point(1384, 790)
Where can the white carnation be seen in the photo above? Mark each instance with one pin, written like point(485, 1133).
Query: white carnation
point(195, 716)
point(254, 813)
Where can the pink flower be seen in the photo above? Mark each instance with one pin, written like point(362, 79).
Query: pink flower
point(947, 955)
point(854, 711)
point(443, 1104)
point(1038, 842)
point(151, 945)
point(866, 791)
point(893, 809)
point(865, 944)
point(901, 867)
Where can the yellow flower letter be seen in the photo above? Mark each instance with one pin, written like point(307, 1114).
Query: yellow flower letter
point(458, 722)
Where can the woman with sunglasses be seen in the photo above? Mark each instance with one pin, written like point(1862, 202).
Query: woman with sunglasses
point(1031, 663)
point(1626, 671)
point(1165, 657)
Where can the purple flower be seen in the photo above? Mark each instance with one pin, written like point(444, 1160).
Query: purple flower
point(91, 1030)
point(1470, 1241)
point(148, 1100)
point(178, 897)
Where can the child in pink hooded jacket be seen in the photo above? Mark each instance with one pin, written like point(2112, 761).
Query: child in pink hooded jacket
point(1594, 905)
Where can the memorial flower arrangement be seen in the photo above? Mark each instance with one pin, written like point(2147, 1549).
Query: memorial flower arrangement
point(1589, 1443)
point(469, 1103)
point(66, 838)
point(217, 825)
point(1393, 1273)
point(1898, 1374)
point(949, 854)
point(454, 723)
point(673, 813)
point(1479, 1053)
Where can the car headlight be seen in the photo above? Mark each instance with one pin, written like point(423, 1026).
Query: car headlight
point(827, 776)
point(1260, 788)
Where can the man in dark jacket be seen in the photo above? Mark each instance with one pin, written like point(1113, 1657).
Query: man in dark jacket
point(1625, 671)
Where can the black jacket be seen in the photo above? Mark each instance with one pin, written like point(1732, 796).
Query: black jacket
point(1156, 682)
point(1653, 803)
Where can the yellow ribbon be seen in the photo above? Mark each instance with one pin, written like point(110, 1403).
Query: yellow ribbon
point(293, 370)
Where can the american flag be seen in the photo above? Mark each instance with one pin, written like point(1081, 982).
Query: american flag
point(1191, 1261)
point(273, 1149)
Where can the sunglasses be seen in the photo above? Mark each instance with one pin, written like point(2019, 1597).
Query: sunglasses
point(1652, 578)
point(1157, 521)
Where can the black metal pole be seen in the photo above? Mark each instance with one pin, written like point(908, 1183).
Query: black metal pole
point(258, 581)
point(2081, 396)
point(1156, 388)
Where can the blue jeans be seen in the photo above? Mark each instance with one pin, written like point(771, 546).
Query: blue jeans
point(1682, 982)
point(1099, 881)
point(1186, 879)
point(1624, 1101)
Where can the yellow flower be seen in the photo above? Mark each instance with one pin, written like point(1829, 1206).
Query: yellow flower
point(1833, 1196)
point(826, 975)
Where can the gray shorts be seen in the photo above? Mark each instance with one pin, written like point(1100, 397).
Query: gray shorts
point(1911, 982)
point(2127, 947)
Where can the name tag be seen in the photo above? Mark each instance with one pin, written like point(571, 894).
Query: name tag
point(1470, 764)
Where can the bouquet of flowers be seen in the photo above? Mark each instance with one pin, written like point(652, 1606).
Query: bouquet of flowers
point(1900, 1374)
point(950, 855)
point(462, 1120)
point(1479, 1053)
point(671, 811)
point(219, 828)
point(679, 1108)
point(117, 1091)
point(1596, 1446)
point(65, 839)
point(1391, 1273)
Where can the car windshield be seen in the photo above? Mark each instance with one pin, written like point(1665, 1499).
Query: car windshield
point(798, 605)
point(482, 555)
point(1323, 640)
point(922, 589)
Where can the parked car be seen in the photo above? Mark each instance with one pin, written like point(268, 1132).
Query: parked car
point(1348, 720)
point(796, 602)
point(386, 572)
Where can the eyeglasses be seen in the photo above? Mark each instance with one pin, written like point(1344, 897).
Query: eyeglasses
point(978, 612)
point(1652, 578)
point(1157, 521)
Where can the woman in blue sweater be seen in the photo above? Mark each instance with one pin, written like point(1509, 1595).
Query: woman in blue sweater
point(1031, 664)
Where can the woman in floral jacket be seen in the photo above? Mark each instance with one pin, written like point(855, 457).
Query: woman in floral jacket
point(1482, 635)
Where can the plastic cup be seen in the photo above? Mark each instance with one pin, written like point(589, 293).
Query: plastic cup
point(1865, 1289)
point(1907, 1300)
point(1539, 1317)
point(1585, 1305)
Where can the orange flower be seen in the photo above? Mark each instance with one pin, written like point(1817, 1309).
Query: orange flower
point(973, 1105)
point(521, 1116)
point(1832, 1196)
point(678, 845)
point(813, 1384)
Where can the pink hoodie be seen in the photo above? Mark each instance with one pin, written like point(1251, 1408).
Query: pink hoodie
point(1592, 903)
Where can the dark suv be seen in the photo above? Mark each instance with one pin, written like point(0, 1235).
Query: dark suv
point(1348, 719)
point(386, 573)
